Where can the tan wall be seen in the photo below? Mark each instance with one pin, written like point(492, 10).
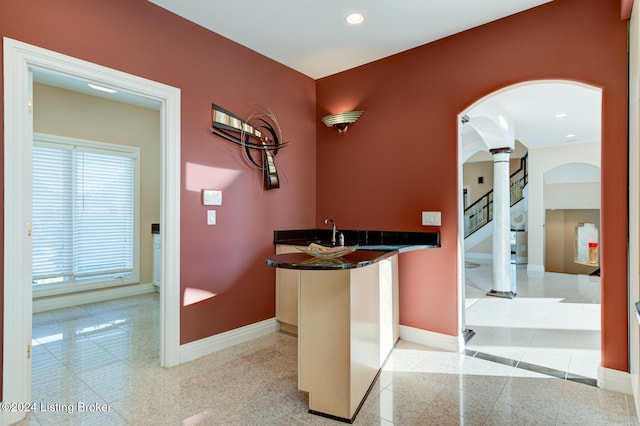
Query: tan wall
point(484, 247)
point(471, 171)
point(560, 228)
point(470, 174)
point(65, 113)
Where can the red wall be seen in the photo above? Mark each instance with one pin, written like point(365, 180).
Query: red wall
point(140, 38)
point(399, 159)
point(626, 6)
point(401, 156)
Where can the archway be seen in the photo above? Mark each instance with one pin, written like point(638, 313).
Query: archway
point(554, 121)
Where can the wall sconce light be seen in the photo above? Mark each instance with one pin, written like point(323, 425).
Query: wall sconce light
point(342, 120)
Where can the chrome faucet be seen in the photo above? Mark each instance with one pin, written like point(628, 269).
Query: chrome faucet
point(333, 230)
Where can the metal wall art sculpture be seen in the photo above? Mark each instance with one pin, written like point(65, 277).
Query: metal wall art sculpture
point(260, 132)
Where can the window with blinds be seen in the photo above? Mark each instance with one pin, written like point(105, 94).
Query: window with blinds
point(85, 205)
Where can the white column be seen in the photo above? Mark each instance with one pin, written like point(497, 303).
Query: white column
point(501, 225)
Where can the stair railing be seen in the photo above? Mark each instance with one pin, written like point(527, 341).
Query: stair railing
point(480, 212)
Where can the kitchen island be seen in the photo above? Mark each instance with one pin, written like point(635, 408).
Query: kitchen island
point(347, 326)
point(347, 314)
point(292, 241)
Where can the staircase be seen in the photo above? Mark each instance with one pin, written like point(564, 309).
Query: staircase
point(480, 213)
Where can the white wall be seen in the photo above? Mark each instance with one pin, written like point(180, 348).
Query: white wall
point(541, 160)
point(572, 196)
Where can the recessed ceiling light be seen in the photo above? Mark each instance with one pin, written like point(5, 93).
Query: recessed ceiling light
point(561, 115)
point(570, 135)
point(101, 89)
point(355, 18)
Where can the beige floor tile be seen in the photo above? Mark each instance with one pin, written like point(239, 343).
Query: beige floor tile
point(108, 353)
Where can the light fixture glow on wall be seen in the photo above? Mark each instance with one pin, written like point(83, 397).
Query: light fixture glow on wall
point(342, 120)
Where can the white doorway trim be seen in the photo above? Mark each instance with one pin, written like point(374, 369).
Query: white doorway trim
point(20, 59)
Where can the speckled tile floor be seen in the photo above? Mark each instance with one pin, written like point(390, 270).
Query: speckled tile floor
point(106, 356)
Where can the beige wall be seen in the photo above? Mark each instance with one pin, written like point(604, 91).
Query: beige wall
point(472, 170)
point(470, 174)
point(65, 113)
point(560, 229)
point(485, 248)
point(584, 195)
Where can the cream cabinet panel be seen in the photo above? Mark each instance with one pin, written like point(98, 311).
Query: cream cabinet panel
point(347, 329)
point(287, 293)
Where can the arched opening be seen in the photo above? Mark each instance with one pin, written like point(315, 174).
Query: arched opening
point(547, 124)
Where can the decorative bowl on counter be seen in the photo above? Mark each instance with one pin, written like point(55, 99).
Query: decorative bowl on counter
point(317, 250)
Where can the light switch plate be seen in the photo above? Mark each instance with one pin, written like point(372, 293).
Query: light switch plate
point(211, 197)
point(211, 217)
point(431, 218)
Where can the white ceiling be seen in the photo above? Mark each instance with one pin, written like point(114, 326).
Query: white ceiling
point(533, 108)
point(313, 38)
point(51, 78)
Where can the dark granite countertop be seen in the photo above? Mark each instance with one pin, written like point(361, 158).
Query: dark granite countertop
point(365, 240)
point(357, 259)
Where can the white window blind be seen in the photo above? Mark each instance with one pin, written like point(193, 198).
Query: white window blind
point(52, 239)
point(84, 212)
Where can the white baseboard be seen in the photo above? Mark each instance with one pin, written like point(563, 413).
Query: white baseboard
point(532, 267)
point(633, 378)
point(614, 380)
point(194, 350)
point(430, 338)
point(93, 296)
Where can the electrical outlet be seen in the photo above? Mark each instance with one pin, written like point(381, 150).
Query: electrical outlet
point(211, 217)
point(211, 197)
point(431, 218)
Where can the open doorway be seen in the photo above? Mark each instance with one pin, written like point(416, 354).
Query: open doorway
point(96, 173)
point(557, 122)
point(96, 190)
point(20, 61)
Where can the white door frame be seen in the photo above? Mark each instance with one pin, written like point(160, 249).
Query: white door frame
point(20, 59)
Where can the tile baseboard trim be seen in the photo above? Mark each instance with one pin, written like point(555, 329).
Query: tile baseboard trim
point(84, 298)
point(614, 380)
point(432, 339)
point(203, 347)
